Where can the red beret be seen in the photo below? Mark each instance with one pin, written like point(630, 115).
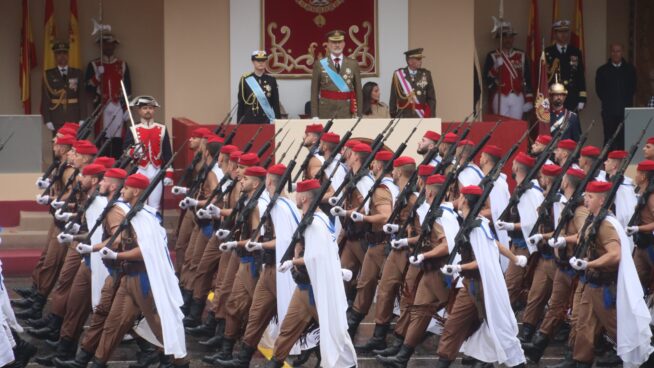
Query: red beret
point(650, 140)
point(567, 144)
point(105, 161)
point(430, 134)
point(590, 151)
point(362, 147)
point(138, 181)
point(277, 169)
point(466, 142)
point(525, 159)
point(200, 132)
point(255, 171)
point(471, 189)
point(235, 156)
point(450, 138)
point(403, 160)
point(579, 173)
point(66, 139)
point(425, 170)
point(598, 187)
point(435, 179)
point(248, 159)
point(70, 125)
point(492, 150)
point(307, 185)
point(544, 139)
point(67, 131)
point(115, 173)
point(85, 148)
point(384, 155)
point(551, 170)
point(618, 154)
point(93, 169)
point(215, 139)
point(228, 149)
point(330, 137)
point(352, 142)
point(646, 165)
point(313, 128)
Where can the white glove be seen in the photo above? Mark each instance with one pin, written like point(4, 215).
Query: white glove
point(74, 228)
point(333, 201)
point(50, 126)
point(521, 261)
point(177, 190)
point(400, 243)
point(631, 230)
point(557, 243)
point(508, 226)
point(580, 106)
point(42, 183)
point(315, 118)
point(222, 233)
point(190, 202)
point(63, 216)
point(338, 211)
point(82, 248)
point(57, 204)
point(226, 246)
point(499, 62)
point(107, 253)
point(527, 107)
point(213, 210)
point(64, 238)
point(578, 264)
point(347, 274)
point(202, 214)
point(100, 70)
point(451, 269)
point(391, 228)
point(45, 199)
point(356, 216)
point(168, 182)
point(293, 187)
point(535, 239)
point(416, 260)
point(287, 265)
point(182, 204)
point(251, 246)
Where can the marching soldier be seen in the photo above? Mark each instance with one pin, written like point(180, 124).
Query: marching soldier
point(258, 96)
point(412, 89)
point(566, 62)
point(335, 82)
point(648, 149)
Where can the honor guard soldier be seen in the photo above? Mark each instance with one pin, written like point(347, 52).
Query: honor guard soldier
point(62, 99)
point(412, 91)
point(507, 77)
point(566, 61)
point(258, 97)
point(560, 114)
point(336, 82)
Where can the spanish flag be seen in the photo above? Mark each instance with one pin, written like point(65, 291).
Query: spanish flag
point(27, 58)
point(555, 17)
point(534, 46)
point(577, 36)
point(49, 36)
point(73, 36)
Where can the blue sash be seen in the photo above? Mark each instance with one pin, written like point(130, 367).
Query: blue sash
point(261, 97)
point(335, 77)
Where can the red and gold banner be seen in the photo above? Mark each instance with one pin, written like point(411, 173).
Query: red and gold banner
point(73, 37)
point(534, 46)
point(577, 36)
point(49, 36)
point(27, 58)
point(293, 34)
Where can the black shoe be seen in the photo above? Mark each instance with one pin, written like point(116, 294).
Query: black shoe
point(52, 343)
point(563, 333)
point(219, 335)
point(65, 351)
point(204, 330)
point(566, 363)
point(96, 364)
point(610, 359)
point(81, 360)
point(534, 350)
point(45, 333)
point(376, 342)
point(34, 312)
point(22, 303)
point(305, 355)
point(354, 319)
point(392, 349)
point(584, 365)
point(480, 364)
point(400, 360)
point(242, 360)
point(40, 322)
point(443, 363)
point(23, 352)
point(194, 316)
point(272, 363)
point(527, 333)
point(225, 352)
point(147, 355)
point(467, 360)
point(187, 297)
point(25, 292)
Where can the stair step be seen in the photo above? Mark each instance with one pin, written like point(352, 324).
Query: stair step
point(33, 220)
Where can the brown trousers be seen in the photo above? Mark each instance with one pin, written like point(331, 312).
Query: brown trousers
point(574, 318)
point(50, 263)
point(193, 259)
point(592, 316)
point(183, 239)
point(462, 322)
point(540, 291)
point(39, 264)
point(391, 280)
point(644, 266)
point(239, 302)
point(299, 314)
point(61, 291)
point(515, 276)
point(431, 294)
point(94, 332)
point(558, 303)
point(184, 272)
point(264, 306)
point(224, 284)
point(78, 306)
point(411, 279)
point(352, 258)
point(371, 271)
point(209, 264)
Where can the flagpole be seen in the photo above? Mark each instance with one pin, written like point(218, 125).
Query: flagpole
point(499, 73)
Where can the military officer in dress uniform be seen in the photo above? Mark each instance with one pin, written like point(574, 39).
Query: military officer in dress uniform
point(336, 82)
point(258, 97)
point(63, 98)
point(566, 61)
point(412, 91)
point(560, 114)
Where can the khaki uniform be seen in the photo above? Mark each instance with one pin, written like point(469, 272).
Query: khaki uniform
point(644, 252)
point(301, 311)
point(423, 89)
point(323, 104)
point(185, 228)
point(65, 280)
point(409, 287)
point(353, 235)
point(515, 275)
point(63, 98)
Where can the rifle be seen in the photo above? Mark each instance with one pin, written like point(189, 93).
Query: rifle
point(271, 156)
point(313, 148)
point(46, 174)
point(336, 150)
point(85, 128)
point(230, 136)
point(221, 125)
point(3, 144)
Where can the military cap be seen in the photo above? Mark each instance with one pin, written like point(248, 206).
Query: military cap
point(60, 46)
point(107, 37)
point(561, 25)
point(414, 53)
point(336, 36)
point(144, 100)
point(598, 187)
point(259, 55)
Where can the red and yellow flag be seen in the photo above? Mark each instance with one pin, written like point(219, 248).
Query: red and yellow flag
point(49, 36)
point(555, 17)
point(542, 104)
point(534, 46)
point(27, 59)
point(577, 36)
point(73, 36)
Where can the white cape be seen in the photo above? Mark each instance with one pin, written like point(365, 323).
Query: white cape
point(633, 317)
point(364, 185)
point(395, 191)
point(99, 271)
point(499, 199)
point(470, 175)
point(217, 171)
point(496, 339)
point(529, 202)
point(7, 320)
point(324, 268)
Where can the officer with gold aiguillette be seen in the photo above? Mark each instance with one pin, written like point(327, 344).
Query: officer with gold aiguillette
point(258, 96)
point(412, 89)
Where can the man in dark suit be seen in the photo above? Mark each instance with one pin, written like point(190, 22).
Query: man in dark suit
point(565, 61)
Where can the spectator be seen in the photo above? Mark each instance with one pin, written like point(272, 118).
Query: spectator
point(372, 107)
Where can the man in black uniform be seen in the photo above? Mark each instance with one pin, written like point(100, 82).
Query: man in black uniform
point(258, 97)
point(566, 61)
point(412, 90)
